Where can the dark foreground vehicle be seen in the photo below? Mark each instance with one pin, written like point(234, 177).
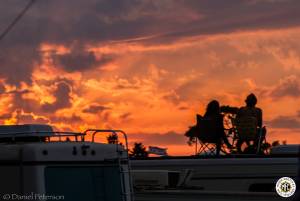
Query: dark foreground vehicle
point(233, 178)
point(39, 164)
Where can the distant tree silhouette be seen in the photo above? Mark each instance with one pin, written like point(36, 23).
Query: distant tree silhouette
point(138, 151)
point(191, 133)
point(265, 147)
point(112, 139)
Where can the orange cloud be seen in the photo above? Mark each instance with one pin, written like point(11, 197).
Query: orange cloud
point(158, 88)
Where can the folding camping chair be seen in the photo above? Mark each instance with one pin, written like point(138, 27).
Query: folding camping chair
point(247, 131)
point(207, 136)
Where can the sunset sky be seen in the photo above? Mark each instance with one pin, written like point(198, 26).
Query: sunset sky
point(148, 66)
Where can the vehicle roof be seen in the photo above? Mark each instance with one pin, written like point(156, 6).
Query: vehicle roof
point(60, 151)
point(25, 130)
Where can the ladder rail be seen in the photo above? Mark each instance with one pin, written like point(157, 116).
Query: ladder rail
point(94, 132)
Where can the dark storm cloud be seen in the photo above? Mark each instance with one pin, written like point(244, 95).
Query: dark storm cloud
point(126, 87)
point(94, 21)
point(126, 116)
point(183, 108)
point(63, 21)
point(160, 139)
point(78, 61)
point(30, 119)
point(288, 122)
point(226, 16)
point(217, 16)
point(20, 103)
point(67, 120)
point(63, 98)
point(5, 116)
point(95, 108)
point(289, 86)
point(28, 105)
point(17, 64)
point(2, 88)
point(54, 81)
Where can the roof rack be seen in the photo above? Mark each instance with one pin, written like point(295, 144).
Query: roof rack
point(39, 136)
point(45, 133)
point(33, 132)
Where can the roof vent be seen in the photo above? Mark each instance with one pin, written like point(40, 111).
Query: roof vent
point(26, 130)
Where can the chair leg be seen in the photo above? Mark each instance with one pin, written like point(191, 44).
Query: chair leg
point(196, 148)
point(212, 150)
point(201, 148)
point(206, 148)
point(259, 140)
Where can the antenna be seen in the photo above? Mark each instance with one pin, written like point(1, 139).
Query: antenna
point(16, 20)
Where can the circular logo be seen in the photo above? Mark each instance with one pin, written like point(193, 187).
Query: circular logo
point(285, 187)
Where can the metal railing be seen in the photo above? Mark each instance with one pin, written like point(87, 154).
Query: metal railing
point(125, 195)
point(38, 136)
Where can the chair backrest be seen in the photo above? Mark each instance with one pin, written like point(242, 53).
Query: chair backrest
point(246, 128)
point(207, 130)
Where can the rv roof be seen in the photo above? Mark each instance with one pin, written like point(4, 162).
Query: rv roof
point(25, 130)
point(291, 149)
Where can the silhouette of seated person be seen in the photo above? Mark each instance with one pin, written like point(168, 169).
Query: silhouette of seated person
point(249, 123)
point(211, 128)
